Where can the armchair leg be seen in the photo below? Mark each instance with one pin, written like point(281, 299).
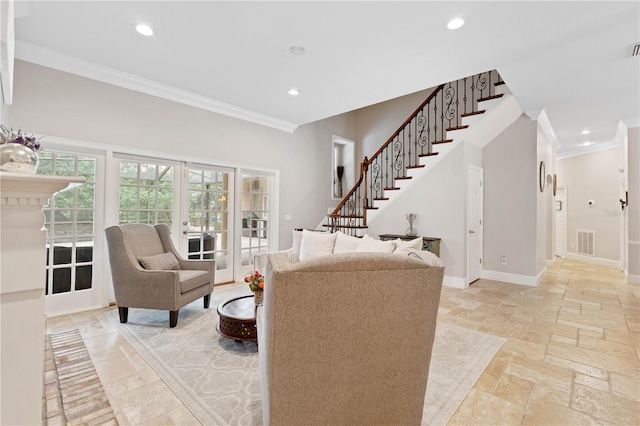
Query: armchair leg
point(207, 299)
point(124, 314)
point(173, 318)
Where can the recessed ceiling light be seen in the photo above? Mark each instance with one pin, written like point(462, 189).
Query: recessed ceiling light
point(143, 29)
point(294, 92)
point(455, 23)
point(586, 132)
point(587, 143)
point(297, 50)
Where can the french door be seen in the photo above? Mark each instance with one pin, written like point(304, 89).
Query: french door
point(192, 200)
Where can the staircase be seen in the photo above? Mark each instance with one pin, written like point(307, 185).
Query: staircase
point(453, 112)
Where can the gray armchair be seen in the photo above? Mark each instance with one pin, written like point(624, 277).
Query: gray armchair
point(148, 272)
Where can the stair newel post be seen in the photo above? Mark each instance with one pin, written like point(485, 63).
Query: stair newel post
point(364, 167)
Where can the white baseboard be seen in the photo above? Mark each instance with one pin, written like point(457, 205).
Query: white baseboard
point(550, 262)
point(595, 260)
point(633, 279)
point(455, 282)
point(507, 277)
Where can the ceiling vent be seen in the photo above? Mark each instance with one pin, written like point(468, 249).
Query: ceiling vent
point(635, 50)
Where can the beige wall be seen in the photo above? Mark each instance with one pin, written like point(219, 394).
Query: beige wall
point(545, 221)
point(510, 200)
point(55, 103)
point(594, 176)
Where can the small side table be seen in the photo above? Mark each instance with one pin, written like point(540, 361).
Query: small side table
point(238, 319)
point(428, 243)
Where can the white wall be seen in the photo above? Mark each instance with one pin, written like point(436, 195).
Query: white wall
point(510, 200)
point(594, 176)
point(55, 103)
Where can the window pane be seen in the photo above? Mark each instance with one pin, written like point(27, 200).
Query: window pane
point(83, 277)
point(61, 280)
point(85, 197)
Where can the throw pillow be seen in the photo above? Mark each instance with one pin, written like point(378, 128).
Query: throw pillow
point(406, 247)
point(297, 240)
point(164, 261)
point(369, 244)
point(345, 243)
point(316, 244)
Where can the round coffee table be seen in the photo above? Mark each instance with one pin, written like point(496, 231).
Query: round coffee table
point(238, 319)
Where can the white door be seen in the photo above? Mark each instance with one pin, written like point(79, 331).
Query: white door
point(561, 221)
point(474, 223)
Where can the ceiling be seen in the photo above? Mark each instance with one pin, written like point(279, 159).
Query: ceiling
point(571, 59)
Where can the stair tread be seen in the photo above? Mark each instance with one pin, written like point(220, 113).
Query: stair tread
point(417, 166)
point(428, 155)
point(457, 128)
point(403, 177)
point(391, 189)
point(498, 83)
point(469, 114)
point(443, 141)
point(381, 199)
point(488, 98)
point(347, 226)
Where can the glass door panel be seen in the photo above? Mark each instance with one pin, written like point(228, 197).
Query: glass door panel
point(70, 219)
point(208, 226)
point(255, 218)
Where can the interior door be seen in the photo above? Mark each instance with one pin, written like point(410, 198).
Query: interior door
point(474, 222)
point(561, 221)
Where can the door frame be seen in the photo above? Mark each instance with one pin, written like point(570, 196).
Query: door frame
point(564, 190)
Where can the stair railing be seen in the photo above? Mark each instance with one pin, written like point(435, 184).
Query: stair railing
point(442, 111)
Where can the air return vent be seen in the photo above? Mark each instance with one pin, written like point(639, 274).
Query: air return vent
point(585, 242)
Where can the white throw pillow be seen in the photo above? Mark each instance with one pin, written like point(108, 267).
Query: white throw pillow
point(297, 240)
point(345, 243)
point(316, 244)
point(164, 261)
point(406, 247)
point(368, 244)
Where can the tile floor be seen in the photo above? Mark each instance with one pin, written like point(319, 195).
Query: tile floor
point(572, 354)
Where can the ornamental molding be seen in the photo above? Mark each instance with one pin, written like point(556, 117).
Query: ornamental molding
point(59, 61)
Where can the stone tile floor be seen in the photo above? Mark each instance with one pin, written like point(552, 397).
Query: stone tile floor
point(572, 354)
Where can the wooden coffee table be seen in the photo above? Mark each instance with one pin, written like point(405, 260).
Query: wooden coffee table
point(238, 319)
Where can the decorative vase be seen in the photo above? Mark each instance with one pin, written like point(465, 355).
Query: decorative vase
point(15, 157)
point(258, 297)
point(411, 232)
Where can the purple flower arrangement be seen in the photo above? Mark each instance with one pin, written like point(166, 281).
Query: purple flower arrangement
point(9, 136)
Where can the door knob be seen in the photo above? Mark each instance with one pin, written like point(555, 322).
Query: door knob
point(471, 232)
point(185, 232)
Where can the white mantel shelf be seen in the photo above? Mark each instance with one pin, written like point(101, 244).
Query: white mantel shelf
point(22, 278)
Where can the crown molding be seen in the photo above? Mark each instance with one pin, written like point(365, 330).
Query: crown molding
point(59, 61)
point(587, 149)
point(621, 133)
point(545, 124)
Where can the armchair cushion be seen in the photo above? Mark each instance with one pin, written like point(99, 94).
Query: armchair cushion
point(190, 280)
point(164, 261)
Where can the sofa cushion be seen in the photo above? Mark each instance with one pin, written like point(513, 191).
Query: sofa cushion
point(406, 247)
point(345, 243)
point(193, 278)
point(371, 245)
point(164, 261)
point(316, 244)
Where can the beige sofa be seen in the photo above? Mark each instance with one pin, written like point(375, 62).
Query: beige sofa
point(346, 339)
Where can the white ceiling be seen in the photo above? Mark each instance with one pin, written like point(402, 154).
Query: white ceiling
point(570, 59)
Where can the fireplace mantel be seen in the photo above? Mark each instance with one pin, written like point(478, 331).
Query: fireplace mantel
point(22, 278)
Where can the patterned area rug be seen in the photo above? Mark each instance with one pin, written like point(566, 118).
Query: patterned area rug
point(217, 378)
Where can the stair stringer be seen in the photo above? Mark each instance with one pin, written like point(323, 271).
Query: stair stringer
point(500, 114)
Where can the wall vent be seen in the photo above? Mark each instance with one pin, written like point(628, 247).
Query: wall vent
point(635, 50)
point(586, 242)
